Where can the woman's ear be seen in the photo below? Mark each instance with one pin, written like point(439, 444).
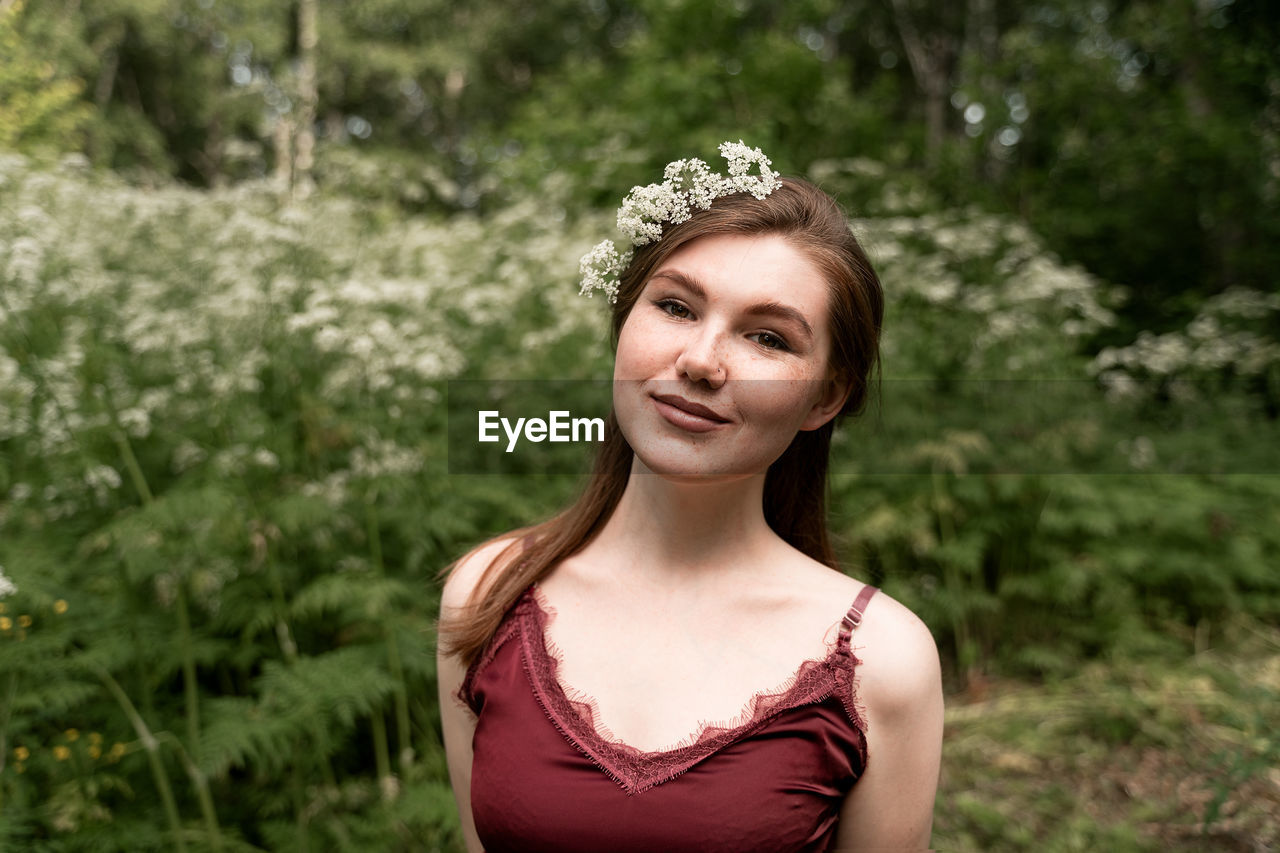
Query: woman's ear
point(835, 393)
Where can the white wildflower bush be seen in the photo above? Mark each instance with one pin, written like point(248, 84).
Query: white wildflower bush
point(1219, 374)
point(1232, 337)
point(1046, 515)
point(225, 498)
point(988, 285)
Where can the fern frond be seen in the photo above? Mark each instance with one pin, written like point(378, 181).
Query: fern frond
point(54, 697)
point(240, 733)
point(341, 685)
point(352, 596)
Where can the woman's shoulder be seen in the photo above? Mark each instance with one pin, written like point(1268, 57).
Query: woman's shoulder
point(468, 572)
point(898, 658)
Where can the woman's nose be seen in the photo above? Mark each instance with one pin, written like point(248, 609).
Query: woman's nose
point(701, 358)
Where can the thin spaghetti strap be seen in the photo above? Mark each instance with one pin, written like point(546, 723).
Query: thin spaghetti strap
point(853, 618)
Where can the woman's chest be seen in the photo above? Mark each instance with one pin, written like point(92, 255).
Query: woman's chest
point(544, 779)
point(653, 682)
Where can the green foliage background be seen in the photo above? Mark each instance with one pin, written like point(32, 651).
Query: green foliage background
point(224, 488)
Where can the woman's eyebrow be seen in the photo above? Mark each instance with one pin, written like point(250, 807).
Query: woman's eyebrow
point(688, 282)
point(770, 308)
point(785, 312)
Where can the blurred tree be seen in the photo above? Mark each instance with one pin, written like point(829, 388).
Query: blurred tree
point(40, 105)
point(207, 90)
point(424, 81)
point(675, 79)
point(932, 54)
point(163, 78)
point(294, 138)
point(1142, 139)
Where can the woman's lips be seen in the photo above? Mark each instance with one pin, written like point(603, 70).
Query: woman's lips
point(686, 414)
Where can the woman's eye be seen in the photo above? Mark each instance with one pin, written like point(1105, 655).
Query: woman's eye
point(675, 309)
point(770, 341)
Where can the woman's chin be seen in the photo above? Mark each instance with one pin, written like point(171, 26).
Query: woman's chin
point(682, 478)
point(690, 468)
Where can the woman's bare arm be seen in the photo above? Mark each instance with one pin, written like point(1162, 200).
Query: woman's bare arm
point(458, 726)
point(456, 720)
point(900, 685)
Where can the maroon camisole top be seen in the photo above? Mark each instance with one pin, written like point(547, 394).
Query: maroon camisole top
point(544, 778)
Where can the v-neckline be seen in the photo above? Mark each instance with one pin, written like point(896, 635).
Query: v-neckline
point(577, 717)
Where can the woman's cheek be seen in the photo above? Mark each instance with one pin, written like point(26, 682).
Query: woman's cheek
point(785, 404)
point(640, 346)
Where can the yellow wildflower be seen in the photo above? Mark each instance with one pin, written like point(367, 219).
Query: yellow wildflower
point(5, 623)
point(21, 753)
point(72, 735)
point(117, 751)
point(94, 751)
point(24, 620)
point(61, 753)
point(60, 606)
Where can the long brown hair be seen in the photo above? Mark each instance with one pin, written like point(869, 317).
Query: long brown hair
point(795, 485)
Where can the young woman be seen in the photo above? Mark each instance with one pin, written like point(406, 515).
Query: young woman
point(694, 581)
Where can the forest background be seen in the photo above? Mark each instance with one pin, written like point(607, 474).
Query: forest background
point(246, 246)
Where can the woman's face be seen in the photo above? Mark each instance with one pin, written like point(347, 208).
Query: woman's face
point(724, 357)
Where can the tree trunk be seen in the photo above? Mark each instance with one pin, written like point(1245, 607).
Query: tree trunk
point(282, 142)
point(935, 121)
point(308, 98)
point(929, 66)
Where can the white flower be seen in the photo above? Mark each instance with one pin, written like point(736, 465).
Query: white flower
point(136, 422)
point(695, 180)
point(686, 185)
point(265, 458)
point(600, 268)
point(645, 209)
point(6, 586)
point(102, 478)
point(741, 158)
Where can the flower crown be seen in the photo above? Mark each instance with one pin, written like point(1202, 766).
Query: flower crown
point(686, 185)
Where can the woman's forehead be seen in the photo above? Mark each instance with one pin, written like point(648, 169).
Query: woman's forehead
point(749, 269)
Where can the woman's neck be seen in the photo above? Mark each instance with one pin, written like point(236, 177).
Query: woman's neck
point(675, 530)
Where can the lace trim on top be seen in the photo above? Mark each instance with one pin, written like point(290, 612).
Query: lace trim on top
point(577, 717)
